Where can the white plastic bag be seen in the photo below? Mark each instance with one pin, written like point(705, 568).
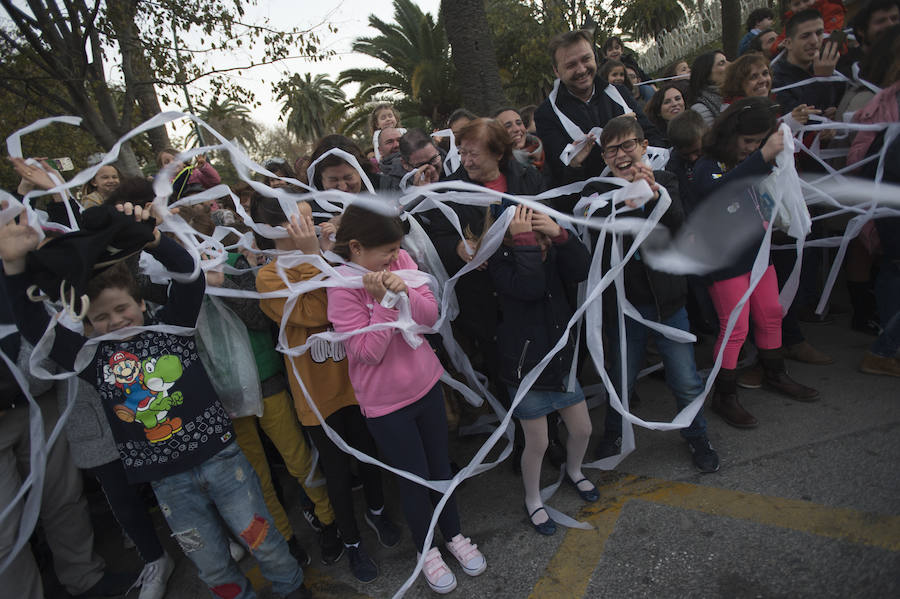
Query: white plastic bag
point(226, 353)
point(784, 184)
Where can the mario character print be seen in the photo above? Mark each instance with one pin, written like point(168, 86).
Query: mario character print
point(145, 386)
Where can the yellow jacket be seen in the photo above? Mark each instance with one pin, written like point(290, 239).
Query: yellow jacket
point(323, 368)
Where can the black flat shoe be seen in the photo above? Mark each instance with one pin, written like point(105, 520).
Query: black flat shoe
point(545, 528)
point(591, 495)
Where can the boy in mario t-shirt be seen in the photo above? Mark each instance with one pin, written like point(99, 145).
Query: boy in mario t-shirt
point(166, 418)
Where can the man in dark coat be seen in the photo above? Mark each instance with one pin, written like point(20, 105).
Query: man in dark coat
point(587, 102)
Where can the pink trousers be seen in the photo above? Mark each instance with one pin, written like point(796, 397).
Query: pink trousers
point(763, 306)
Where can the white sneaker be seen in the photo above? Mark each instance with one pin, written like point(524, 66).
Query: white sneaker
point(437, 574)
point(467, 554)
point(154, 577)
point(236, 550)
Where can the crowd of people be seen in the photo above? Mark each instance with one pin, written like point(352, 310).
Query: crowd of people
point(175, 384)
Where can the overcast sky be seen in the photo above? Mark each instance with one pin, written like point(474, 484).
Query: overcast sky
point(349, 17)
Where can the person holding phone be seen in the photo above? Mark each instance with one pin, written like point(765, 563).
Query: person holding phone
point(807, 55)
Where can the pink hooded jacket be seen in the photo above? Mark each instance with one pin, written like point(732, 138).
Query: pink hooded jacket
point(386, 373)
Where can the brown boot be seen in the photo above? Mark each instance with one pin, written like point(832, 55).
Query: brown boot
point(806, 353)
point(875, 364)
point(781, 382)
point(730, 409)
point(725, 402)
point(752, 377)
point(777, 378)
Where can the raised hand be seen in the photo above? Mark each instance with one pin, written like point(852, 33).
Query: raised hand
point(34, 176)
point(521, 221)
point(773, 146)
point(425, 174)
point(16, 240)
point(142, 214)
point(801, 113)
point(373, 282)
point(581, 156)
point(542, 223)
point(824, 62)
point(327, 231)
point(643, 171)
point(393, 282)
point(303, 234)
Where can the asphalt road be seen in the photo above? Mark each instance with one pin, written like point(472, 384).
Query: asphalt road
point(806, 505)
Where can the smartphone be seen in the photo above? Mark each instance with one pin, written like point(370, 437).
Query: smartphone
point(837, 37)
point(62, 164)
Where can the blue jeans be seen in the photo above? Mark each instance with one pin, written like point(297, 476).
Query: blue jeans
point(887, 294)
point(678, 359)
point(226, 489)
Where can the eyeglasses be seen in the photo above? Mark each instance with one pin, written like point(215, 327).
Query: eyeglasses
point(626, 146)
point(433, 161)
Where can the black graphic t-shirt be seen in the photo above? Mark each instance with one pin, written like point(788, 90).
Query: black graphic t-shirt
point(163, 411)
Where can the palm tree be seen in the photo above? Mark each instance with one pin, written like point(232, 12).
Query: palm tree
point(417, 62)
point(477, 72)
point(230, 119)
point(312, 105)
point(647, 19)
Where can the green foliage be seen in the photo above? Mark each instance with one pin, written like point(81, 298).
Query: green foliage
point(56, 54)
point(228, 118)
point(165, 26)
point(275, 142)
point(522, 30)
point(418, 70)
point(646, 19)
point(312, 105)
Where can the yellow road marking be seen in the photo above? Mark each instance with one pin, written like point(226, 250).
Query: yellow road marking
point(569, 571)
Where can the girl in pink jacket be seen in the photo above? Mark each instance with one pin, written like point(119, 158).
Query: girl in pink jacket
point(396, 379)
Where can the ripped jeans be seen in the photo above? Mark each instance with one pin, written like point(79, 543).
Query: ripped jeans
point(225, 489)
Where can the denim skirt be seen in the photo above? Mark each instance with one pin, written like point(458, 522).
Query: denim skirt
point(537, 403)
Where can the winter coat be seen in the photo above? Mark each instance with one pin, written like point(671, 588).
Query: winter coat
point(708, 104)
point(643, 285)
point(391, 172)
point(596, 112)
point(709, 177)
point(474, 291)
point(883, 108)
point(822, 94)
point(534, 309)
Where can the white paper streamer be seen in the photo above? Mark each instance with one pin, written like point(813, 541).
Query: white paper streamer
point(208, 253)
